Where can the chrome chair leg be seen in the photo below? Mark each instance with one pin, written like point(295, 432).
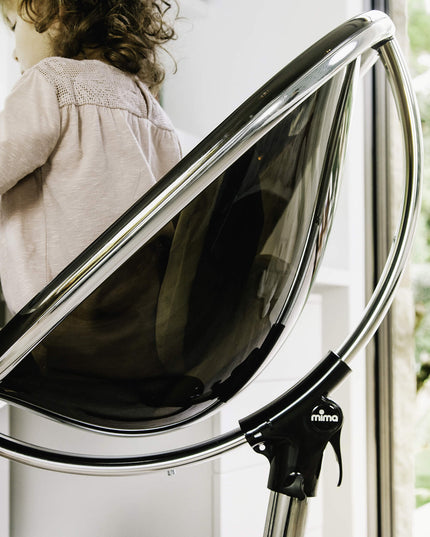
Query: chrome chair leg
point(286, 516)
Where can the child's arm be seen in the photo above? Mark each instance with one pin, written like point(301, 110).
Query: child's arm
point(29, 128)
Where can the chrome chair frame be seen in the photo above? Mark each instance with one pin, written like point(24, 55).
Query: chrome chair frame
point(364, 38)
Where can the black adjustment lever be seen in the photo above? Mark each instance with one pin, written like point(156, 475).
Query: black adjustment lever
point(335, 442)
point(327, 418)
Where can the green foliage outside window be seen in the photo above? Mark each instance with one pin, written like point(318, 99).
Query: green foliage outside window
point(419, 61)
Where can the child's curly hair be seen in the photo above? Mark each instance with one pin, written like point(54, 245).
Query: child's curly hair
point(126, 33)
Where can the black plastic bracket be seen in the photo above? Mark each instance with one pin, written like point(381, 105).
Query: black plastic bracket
point(294, 430)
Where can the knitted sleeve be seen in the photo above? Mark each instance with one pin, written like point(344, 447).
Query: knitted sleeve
point(29, 128)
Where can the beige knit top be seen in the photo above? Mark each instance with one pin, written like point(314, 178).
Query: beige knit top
point(80, 142)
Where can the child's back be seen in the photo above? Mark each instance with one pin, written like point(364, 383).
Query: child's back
point(101, 142)
point(80, 142)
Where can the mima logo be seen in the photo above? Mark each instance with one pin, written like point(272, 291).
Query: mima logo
point(322, 416)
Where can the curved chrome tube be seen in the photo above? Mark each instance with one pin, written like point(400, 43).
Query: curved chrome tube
point(383, 294)
point(172, 194)
point(59, 461)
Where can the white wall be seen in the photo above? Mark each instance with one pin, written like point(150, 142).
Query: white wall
point(49, 504)
point(226, 50)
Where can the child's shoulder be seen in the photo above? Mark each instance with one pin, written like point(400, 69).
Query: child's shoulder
point(80, 82)
point(59, 68)
point(68, 72)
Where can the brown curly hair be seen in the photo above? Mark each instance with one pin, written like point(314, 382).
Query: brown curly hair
point(126, 33)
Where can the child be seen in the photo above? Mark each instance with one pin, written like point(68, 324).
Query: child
point(81, 135)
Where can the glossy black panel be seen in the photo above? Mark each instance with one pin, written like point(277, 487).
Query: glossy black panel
point(190, 318)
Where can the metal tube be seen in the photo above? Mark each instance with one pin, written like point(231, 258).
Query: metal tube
point(286, 516)
point(58, 461)
point(383, 294)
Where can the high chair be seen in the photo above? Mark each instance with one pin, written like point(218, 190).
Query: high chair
point(179, 304)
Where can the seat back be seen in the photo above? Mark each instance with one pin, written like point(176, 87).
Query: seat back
point(190, 318)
